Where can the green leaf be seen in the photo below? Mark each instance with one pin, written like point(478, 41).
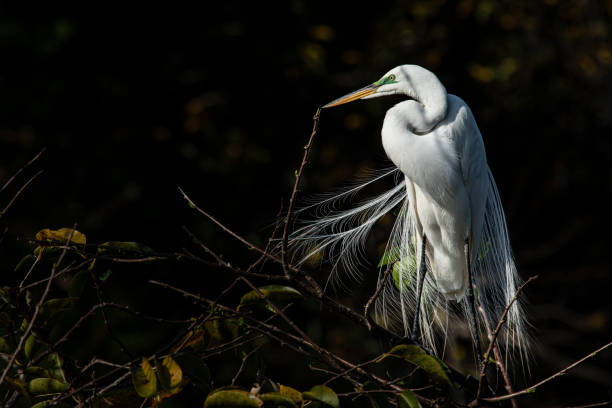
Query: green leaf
point(402, 275)
point(144, 380)
point(277, 400)
point(169, 373)
point(44, 386)
point(434, 367)
point(275, 293)
point(323, 394)
point(407, 399)
point(232, 399)
point(61, 236)
point(390, 256)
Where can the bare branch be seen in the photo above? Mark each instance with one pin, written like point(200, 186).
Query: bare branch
point(493, 340)
point(531, 389)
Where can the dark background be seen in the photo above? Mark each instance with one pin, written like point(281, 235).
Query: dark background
point(218, 98)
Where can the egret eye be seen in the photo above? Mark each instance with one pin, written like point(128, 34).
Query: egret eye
point(392, 77)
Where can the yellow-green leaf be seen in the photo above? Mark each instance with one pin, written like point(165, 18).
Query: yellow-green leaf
point(31, 346)
point(52, 308)
point(43, 386)
point(144, 379)
point(124, 248)
point(407, 399)
point(232, 399)
point(61, 235)
point(169, 373)
point(323, 394)
point(5, 348)
point(277, 400)
point(433, 366)
point(289, 392)
point(275, 293)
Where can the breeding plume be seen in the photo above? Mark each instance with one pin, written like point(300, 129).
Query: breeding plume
point(450, 233)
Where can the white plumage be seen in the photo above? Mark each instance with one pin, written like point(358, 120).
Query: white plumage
point(447, 193)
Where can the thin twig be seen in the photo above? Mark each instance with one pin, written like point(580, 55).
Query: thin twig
point(298, 175)
point(18, 193)
point(492, 343)
point(532, 389)
point(244, 359)
point(10, 180)
point(381, 284)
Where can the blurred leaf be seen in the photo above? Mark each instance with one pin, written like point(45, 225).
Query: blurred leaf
point(169, 373)
point(34, 371)
point(275, 293)
point(53, 363)
point(50, 403)
point(61, 236)
point(407, 399)
point(25, 263)
point(53, 308)
point(43, 386)
point(124, 248)
point(222, 330)
point(435, 368)
point(78, 283)
point(377, 400)
point(31, 347)
point(5, 348)
point(323, 394)
point(124, 397)
point(18, 385)
point(276, 399)
point(232, 399)
point(291, 393)
point(144, 379)
point(195, 370)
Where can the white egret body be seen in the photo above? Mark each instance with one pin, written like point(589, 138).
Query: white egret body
point(448, 196)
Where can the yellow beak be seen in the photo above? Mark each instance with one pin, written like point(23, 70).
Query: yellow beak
point(353, 96)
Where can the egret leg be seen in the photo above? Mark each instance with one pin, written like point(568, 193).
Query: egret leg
point(472, 303)
point(420, 281)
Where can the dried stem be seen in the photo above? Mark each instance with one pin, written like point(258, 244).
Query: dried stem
point(298, 175)
point(379, 287)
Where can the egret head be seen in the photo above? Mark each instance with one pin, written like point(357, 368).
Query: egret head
point(410, 80)
point(429, 96)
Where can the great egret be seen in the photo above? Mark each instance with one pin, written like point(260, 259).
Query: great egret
point(449, 208)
